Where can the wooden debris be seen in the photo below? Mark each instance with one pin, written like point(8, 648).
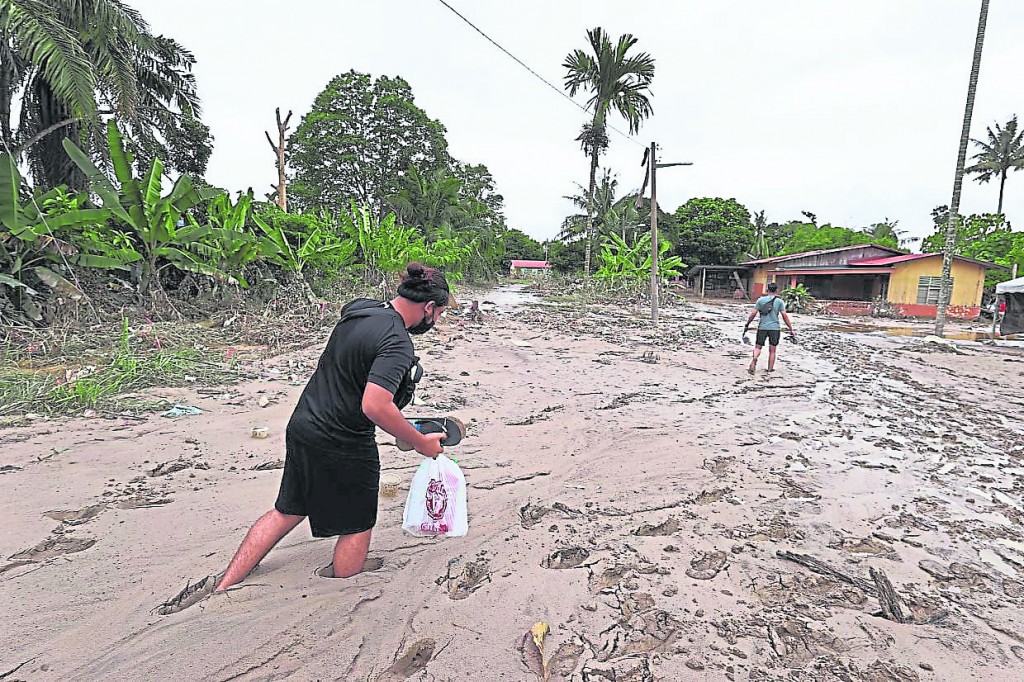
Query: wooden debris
point(888, 599)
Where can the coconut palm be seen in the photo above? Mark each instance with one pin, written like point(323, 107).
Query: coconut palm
point(616, 80)
point(1003, 152)
point(71, 61)
point(958, 176)
point(583, 225)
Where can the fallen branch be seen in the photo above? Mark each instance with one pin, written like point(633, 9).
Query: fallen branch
point(821, 568)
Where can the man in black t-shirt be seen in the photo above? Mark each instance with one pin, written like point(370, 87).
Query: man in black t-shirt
point(332, 468)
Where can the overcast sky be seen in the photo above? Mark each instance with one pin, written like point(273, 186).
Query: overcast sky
point(850, 109)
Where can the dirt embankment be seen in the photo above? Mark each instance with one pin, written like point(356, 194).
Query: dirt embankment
point(667, 515)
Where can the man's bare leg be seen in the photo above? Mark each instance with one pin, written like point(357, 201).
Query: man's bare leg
point(260, 539)
point(350, 554)
point(771, 358)
point(753, 363)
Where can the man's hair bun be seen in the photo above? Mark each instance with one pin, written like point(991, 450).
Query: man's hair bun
point(422, 284)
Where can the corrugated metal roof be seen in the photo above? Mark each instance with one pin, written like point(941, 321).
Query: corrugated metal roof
point(530, 264)
point(804, 254)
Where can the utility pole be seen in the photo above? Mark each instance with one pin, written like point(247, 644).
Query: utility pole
point(653, 166)
point(650, 160)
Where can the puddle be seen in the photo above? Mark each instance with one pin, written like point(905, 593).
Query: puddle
point(917, 332)
point(509, 296)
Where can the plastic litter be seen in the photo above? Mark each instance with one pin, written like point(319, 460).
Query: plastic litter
point(437, 500)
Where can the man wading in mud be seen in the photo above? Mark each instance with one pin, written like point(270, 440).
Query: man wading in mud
point(769, 307)
point(332, 468)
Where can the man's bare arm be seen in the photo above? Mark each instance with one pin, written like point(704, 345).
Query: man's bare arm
point(379, 407)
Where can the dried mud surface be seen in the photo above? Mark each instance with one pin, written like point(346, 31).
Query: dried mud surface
point(669, 516)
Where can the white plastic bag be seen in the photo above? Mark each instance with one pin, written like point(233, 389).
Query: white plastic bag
point(437, 500)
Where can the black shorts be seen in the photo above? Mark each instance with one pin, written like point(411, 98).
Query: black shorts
point(772, 335)
point(336, 487)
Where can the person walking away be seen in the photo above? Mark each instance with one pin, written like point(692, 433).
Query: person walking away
point(770, 307)
point(332, 467)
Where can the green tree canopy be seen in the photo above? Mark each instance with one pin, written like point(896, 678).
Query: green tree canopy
point(713, 231)
point(810, 237)
point(359, 140)
point(983, 236)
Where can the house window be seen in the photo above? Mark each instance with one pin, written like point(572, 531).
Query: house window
point(928, 289)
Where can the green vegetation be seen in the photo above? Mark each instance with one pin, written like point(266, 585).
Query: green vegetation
point(107, 385)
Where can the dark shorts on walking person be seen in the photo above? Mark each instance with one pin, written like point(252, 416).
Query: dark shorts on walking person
point(770, 335)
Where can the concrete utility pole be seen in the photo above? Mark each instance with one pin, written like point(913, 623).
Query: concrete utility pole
point(650, 159)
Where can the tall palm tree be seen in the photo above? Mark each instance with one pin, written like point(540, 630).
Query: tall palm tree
point(1003, 152)
point(615, 79)
point(71, 61)
point(958, 177)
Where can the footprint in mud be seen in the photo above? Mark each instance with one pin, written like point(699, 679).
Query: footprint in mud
point(190, 596)
point(73, 517)
point(711, 496)
point(53, 546)
point(668, 527)
point(707, 565)
point(474, 574)
point(570, 557)
point(414, 659)
point(370, 565)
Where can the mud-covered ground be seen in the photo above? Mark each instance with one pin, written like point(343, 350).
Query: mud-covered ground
point(667, 515)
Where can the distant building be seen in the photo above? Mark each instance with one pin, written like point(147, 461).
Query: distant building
point(529, 268)
point(853, 280)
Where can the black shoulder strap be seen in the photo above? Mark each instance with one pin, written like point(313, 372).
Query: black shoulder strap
point(770, 304)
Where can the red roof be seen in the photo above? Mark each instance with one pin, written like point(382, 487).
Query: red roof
point(531, 264)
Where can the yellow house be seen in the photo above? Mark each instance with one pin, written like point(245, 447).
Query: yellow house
point(855, 280)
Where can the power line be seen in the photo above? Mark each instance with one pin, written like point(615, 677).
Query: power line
point(537, 75)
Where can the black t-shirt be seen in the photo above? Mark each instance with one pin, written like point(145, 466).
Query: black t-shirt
point(373, 348)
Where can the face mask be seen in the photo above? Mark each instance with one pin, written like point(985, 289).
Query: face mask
point(424, 325)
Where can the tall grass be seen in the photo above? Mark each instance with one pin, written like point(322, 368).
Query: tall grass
point(105, 387)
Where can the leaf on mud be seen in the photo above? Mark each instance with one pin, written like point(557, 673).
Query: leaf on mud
point(538, 631)
point(531, 652)
point(59, 284)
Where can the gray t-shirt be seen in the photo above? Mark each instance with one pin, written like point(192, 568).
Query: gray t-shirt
point(770, 310)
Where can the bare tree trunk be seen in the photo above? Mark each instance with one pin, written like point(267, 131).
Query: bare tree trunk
point(279, 149)
point(1002, 185)
point(591, 218)
point(958, 178)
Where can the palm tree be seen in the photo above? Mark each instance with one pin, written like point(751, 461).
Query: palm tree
point(615, 80)
point(759, 249)
point(71, 61)
point(429, 201)
point(958, 177)
point(1003, 152)
point(596, 205)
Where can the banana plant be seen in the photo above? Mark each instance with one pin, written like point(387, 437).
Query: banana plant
point(155, 221)
point(31, 241)
point(631, 263)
